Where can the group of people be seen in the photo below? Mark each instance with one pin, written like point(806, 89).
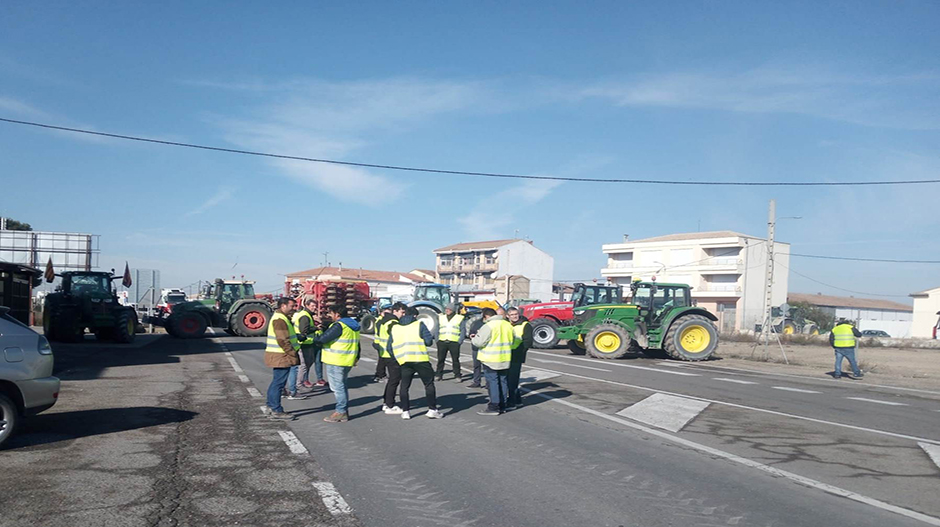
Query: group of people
point(499, 340)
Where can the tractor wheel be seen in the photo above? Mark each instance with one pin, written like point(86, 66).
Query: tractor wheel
point(188, 326)
point(67, 328)
point(125, 326)
point(544, 333)
point(691, 338)
point(811, 329)
point(607, 341)
point(47, 328)
point(251, 320)
point(9, 418)
point(367, 324)
point(576, 347)
point(789, 328)
point(429, 317)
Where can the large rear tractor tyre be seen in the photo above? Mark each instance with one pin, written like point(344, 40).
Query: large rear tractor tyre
point(68, 328)
point(789, 328)
point(607, 341)
point(9, 418)
point(811, 329)
point(576, 347)
point(48, 329)
point(188, 326)
point(691, 338)
point(429, 317)
point(125, 328)
point(544, 333)
point(367, 324)
point(251, 320)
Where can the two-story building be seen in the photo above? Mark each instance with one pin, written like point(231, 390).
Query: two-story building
point(726, 270)
point(476, 266)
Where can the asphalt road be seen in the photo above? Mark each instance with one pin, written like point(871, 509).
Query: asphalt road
point(631, 442)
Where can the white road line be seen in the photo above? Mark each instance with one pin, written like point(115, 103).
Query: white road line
point(264, 409)
point(807, 482)
point(252, 391)
point(528, 376)
point(367, 359)
point(573, 365)
point(672, 364)
point(933, 451)
point(227, 354)
point(293, 443)
point(889, 403)
point(611, 363)
point(736, 381)
point(235, 366)
point(244, 378)
point(665, 411)
point(754, 408)
point(797, 390)
point(331, 498)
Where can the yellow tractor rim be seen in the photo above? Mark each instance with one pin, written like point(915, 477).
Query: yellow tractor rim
point(607, 342)
point(814, 332)
point(695, 339)
point(788, 330)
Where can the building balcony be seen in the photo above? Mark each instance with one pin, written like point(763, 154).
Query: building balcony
point(719, 290)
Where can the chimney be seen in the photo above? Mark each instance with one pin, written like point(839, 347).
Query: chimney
point(625, 238)
point(341, 267)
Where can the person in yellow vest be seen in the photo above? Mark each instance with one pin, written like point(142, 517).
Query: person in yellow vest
point(523, 331)
point(340, 343)
point(843, 341)
point(280, 354)
point(392, 370)
point(453, 331)
point(495, 341)
point(408, 342)
point(378, 344)
point(297, 381)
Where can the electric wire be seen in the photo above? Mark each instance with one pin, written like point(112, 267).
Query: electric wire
point(811, 279)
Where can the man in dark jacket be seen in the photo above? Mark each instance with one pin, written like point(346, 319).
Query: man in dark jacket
point(523, 331)
point(412, 356)
point(472, 329)
point(381, 364)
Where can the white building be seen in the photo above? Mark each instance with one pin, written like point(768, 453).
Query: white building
point(381, 283)
point(926, 312)
point(475, 265)
point(726, 270)
point(892, 317)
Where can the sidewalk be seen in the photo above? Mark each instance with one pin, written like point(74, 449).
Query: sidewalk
point(159, 433)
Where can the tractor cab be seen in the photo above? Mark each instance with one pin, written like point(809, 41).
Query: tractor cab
point(435, 293)
point(86, 283)
point(656, 300)
point(227, 292)
point(589, 295)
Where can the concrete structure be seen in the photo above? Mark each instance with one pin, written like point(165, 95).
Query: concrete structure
point(892, 317)
point(926, 313)
point(725, 269)
point(381, 283)
point(16, 289)
point(478, 264)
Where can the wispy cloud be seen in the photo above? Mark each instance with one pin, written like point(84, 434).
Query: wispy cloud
point(494, 215)
point(222, 195)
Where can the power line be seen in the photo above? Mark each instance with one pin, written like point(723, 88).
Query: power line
point(883, 260)
point(811, 279)
point(478, 174)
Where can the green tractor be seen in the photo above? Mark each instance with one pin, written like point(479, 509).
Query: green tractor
point(227, 304)
point(86, 299)
point(660, 319)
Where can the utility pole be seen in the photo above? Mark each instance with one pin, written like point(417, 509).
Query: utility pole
point(326, 257)
point(767, 326)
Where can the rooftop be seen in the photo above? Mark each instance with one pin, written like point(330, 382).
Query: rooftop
point(850, 302)
point(925, 292)
point(691, 236)
point(346, 273)
point(476, 246)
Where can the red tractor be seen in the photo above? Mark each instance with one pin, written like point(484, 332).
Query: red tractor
point(353, 295)
point(547, 317)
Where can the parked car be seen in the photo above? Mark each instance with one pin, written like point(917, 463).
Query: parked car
point(875, 333)
point(27, 386)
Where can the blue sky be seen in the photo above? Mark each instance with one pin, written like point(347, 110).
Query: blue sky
point(747, 91)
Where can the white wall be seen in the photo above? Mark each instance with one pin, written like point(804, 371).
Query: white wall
point(751, 306)
point(524, 259)
point(925, 314)
point(896, 328)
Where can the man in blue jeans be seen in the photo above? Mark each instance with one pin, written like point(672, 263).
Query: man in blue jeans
point(280, 354)
point(340, 344)
point(495, 340)
point(843, 340)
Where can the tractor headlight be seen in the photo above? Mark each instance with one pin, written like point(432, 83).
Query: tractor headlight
point(579, 312)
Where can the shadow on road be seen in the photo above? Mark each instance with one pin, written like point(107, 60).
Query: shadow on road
point(63, 426)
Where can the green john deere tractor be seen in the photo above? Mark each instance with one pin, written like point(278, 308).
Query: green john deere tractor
point(660, 319)
point(85, 299)
point(227, 304)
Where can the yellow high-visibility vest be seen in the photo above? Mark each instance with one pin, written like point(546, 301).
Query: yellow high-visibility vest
point(843, 337)
point(407, 344)
point(381, 337)
point(342, 351)
point(498, 351)
point(450, 329)
point(517, 330)
point(296, 320)
point(272, 345)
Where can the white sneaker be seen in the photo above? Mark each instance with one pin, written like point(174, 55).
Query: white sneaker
point(405, 415)
point(395, 410)
point(435, 414)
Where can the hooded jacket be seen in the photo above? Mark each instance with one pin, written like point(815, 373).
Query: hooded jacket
point(406, 320)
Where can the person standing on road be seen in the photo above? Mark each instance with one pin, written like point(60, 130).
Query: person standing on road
point(280, 354)
point(472, 331)
point(306, 332)
point(495, 340)
point(391, 368)
point(378, 344)
point(340, 344)
point(451, 335)
point(408, 342)
point(843, 341)
point(523, 332)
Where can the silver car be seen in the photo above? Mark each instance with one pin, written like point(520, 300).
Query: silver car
point(27, 386)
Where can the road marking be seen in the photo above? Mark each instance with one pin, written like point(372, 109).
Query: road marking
point(264, 409)
point(686, 374)
point(933, 451)
point(244, 378)
point(754, 408)
point(807, 482)
point(252, 391)
point(672, 364)
point(531, 375)
point(293, 443)
point(797, 390)
point(573, 365)
point(227, 354)
point(877, 401)
point(331, 498)
point(665, 411)
point(367, 359)
point(235, 366)
point(736, 381)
